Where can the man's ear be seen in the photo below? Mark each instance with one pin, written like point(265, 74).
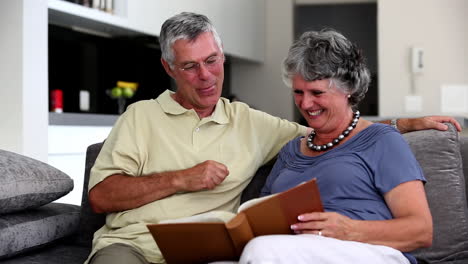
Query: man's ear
point(167, 68)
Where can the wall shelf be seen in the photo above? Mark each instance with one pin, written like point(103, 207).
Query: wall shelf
point(90, 20)
point(77, 119)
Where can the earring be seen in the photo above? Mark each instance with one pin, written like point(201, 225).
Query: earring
point(349, 96)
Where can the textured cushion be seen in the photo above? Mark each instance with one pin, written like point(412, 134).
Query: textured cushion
point(28, 183)
point(60, 252)
point(23, 231)
point(438, 153)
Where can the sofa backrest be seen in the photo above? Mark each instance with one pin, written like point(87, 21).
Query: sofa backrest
point(438, 153)
point(440, 156)
point(464, 155)
point(89, 220)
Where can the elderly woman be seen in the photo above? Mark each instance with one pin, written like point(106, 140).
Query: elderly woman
point(370, 182)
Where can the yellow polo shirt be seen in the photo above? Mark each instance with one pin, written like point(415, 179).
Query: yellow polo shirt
point(160, 135)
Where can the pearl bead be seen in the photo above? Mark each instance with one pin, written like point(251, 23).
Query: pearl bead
point(335, 141)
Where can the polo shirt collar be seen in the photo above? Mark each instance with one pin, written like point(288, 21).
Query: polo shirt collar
point(170, 106)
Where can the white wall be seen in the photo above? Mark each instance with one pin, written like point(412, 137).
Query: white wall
point(260, 85)
point(10, 74)
point(440, 27)
point(23, 111)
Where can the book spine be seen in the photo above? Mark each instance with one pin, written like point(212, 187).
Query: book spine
point(240, 232)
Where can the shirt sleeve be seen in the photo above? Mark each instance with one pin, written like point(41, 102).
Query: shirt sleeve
point(275, 132)
point(119, 153)
point(394, 163)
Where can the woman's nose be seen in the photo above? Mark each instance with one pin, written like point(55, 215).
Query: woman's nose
point(307, 101)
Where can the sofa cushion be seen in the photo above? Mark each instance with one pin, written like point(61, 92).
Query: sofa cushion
point(59, 252)
point(23, 231)
point(28, 183)
point(438, 153)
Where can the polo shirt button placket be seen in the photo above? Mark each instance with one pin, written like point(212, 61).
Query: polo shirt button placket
point(197, 129)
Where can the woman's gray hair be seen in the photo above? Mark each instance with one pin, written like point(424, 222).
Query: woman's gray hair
point(185, 25)
point(327, 54)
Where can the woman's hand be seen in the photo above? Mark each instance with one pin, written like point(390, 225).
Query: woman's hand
point(411, 227)
point(328, 224)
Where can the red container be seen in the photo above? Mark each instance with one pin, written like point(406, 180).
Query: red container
point(56, 101)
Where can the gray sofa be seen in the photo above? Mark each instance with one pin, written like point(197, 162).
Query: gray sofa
point(441, 155)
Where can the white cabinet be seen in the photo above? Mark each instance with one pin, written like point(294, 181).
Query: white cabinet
point(240, 23)
point(91, 20)
point(67, 152)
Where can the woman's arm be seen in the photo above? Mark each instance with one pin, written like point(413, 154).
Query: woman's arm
point(411, 227)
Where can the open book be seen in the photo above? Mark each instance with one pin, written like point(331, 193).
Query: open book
point(217, 235)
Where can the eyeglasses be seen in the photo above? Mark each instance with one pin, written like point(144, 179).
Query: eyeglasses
point(211, 64)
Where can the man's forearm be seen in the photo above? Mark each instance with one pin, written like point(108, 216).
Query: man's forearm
point(121, 192)
point(405, 125)
point(397, 123)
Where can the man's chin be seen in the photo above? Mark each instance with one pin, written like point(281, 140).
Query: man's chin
point(210, 100)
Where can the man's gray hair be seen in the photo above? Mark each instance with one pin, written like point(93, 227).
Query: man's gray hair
point(187, 26)
point(327, 54)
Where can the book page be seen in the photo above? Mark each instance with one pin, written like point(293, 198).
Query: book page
point(209, 217)
point(252, 202)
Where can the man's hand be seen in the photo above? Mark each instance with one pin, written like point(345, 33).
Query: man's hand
point(428, 122)
point(206, 175)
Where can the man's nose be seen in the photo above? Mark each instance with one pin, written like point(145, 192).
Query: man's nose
point(203, 72)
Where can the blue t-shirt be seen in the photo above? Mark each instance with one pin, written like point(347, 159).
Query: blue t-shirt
point(353, 176)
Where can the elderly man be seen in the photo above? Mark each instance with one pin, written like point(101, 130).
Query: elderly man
point(185, 152)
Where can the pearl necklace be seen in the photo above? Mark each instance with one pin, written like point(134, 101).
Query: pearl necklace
point(336, 141)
